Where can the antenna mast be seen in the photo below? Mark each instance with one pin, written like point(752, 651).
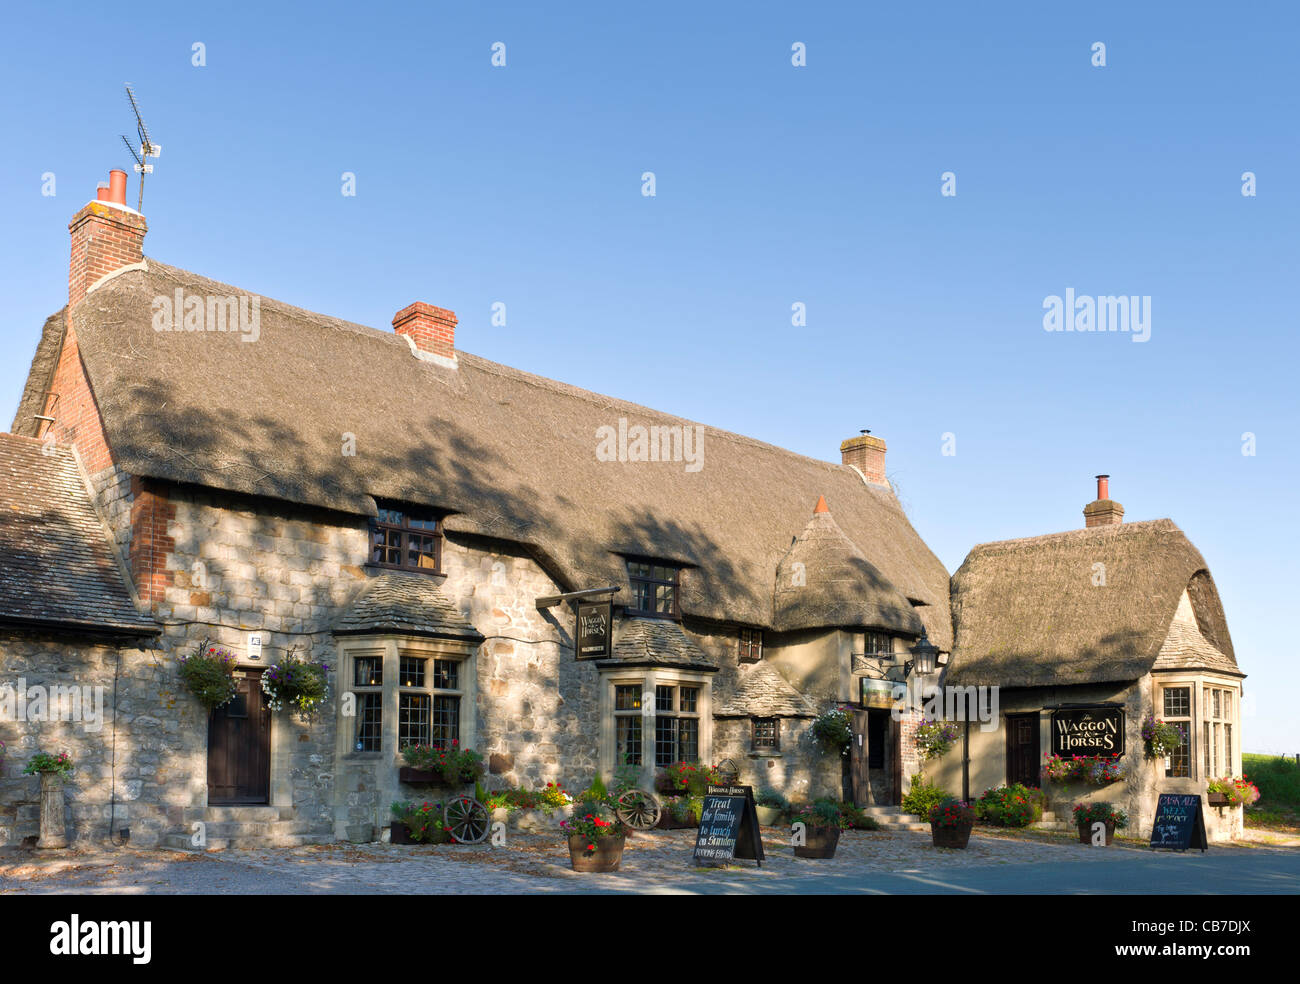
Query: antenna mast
point(147, 147)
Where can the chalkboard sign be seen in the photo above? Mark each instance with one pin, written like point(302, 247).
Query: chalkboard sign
point(1179, 823)
point(728, 827)
point(1079, 731)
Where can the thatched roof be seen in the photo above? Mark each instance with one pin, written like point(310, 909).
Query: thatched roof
point(824, 579)
point(655, 642)
point(44, 362)
point(507, 454)
point(1028, 613)
point(762, 692)
point(56, 564)
point(405, 603)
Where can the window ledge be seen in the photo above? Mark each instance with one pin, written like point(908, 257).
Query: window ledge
point(764, 754)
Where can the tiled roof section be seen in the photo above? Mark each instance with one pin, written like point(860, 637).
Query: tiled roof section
point(56, 562)
point(763, 692)
point(1185, 648)
point(656, 642)
point(410, 604)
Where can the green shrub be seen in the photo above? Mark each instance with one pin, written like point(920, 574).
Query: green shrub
point(1010, 806)
point(1277, 778)
point(923, 795)
point(770, 797)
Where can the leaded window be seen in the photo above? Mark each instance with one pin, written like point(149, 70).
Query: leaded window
point(407, 541)
point(654, 589)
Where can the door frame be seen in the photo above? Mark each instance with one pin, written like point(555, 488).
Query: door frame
point(1035, 720)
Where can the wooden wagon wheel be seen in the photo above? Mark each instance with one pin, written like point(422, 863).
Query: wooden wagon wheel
point(468, 819)
point(728, 772)
point(638, 809)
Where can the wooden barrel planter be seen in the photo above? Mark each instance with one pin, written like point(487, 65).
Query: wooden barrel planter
point(1085, 833)
point(955, 837)
point(819, 842)
point(607, 856)
point(399, 833)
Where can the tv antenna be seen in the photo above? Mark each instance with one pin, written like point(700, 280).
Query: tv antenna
point(147, 147)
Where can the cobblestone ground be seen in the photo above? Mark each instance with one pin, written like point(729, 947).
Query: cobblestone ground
point(653, 862)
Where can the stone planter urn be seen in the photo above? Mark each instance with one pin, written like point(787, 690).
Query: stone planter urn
point(54, 833)
point(607, 855)
point(768, 816)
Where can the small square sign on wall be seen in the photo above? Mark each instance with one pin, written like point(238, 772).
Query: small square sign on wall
point(255, 645)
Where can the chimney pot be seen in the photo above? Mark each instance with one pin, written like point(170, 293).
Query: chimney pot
point(107, 235)
point(117, 186)
point(1103, 511)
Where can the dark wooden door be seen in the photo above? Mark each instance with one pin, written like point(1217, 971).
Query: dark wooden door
point(239, 747)
point(1023, 759)
point(860, 758)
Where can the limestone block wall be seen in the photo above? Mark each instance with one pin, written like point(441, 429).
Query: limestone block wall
point(147, 752)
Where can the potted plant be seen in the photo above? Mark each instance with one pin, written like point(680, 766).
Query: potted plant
point(210, 676)
point(685, 779)
point(1160, 737)
point(833, 731)
point(297, 684)
point(595, 844)
point(816, 829)
point(1087, 814)
point(1010, 806)
point(52, 769)
point(951, 821)
point(770, 807)
point(680, 812)
point(1095, 770)
point(1228, 791)
point(441, 766)
point(421, 824)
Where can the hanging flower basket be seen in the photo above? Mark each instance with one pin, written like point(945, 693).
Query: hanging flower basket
point(296, 684)
point(210, 676)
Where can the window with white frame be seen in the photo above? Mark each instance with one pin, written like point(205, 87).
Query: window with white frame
point(677, 723)
point(368, 687)
point(654, 720)
point(1217, 706)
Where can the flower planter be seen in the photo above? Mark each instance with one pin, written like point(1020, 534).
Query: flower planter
point(54, 834)
point(1085, 833)
point(399, 833)
point(668, 822)
point(955, 837)
point(607, 856)
point(427, 777)
point(1218, 799)
point(768, 816)
point(819, 842)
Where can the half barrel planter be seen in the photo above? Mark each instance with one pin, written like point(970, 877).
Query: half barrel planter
point(1085, 832)
point(607, 855)
point(819, 842)
point(955, 837)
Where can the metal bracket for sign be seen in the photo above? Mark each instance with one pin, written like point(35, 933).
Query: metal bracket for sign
point(550, 601)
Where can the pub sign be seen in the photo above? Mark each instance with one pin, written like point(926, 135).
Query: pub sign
point(1078, 731)
point(595, 628)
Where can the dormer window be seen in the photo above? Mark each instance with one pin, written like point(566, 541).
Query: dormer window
point(654, 589)
point(406, 540)
point(751, 645)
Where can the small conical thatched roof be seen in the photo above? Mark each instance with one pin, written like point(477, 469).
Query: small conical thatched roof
point(655, 642)
point(825, 580)
point(1185, 648)
point(1087, 606)
point(763, 692)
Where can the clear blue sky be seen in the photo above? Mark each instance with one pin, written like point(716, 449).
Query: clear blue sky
point(775, 185)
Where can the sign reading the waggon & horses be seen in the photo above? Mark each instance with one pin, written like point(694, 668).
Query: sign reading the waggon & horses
point(1080, 731)
point(595, 625)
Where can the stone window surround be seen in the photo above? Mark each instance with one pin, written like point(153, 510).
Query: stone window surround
point(391, 648)
point(1196, 682)
point(649, 678)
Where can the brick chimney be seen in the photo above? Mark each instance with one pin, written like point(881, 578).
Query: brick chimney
point(107, 235)
point(431, 329)
point(867, 455)
point(1103, 511)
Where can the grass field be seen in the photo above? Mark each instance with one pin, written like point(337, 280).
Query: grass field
point(1278, 780)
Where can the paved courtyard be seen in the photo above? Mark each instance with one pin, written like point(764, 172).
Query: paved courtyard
point(659, 862)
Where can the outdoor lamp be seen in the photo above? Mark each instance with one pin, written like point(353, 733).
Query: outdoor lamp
point(924, 657)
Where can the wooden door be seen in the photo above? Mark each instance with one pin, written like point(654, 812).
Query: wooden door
point(860, 758)
point(1023, 758)
point(239, 747)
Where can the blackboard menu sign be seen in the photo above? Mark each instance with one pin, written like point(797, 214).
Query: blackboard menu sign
point(728, 827)
point(595, 623)
point(1078, 731)
point(1179, 823)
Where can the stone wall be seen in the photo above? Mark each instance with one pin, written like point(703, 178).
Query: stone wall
point(148, 752)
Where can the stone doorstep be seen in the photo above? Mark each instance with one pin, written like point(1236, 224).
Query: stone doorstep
point(221, 814)
point(249, 827)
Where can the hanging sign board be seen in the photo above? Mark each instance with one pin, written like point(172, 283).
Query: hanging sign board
point(728, 827)
point(595, 627)
point(1078, 731)
point(1179, 823)
point(881, 694)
